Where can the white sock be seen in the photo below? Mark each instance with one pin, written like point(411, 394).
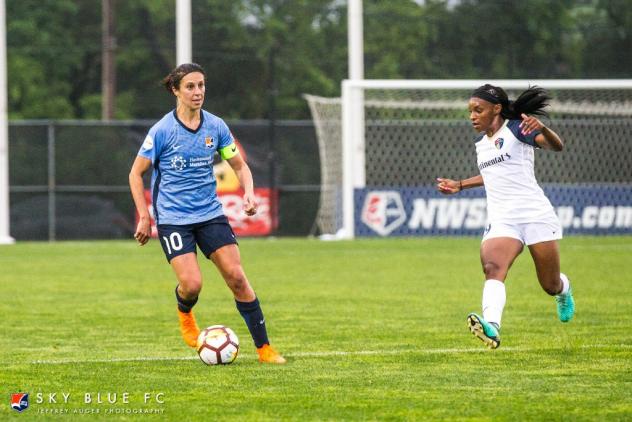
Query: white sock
point(566, 284)
point(493, 301)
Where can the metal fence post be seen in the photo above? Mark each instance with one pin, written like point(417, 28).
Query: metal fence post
point(52, 217)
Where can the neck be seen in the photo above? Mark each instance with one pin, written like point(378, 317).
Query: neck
point(495, 126)
point(186, 114)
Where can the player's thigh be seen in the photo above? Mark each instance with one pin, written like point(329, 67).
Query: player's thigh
point(497, 256)
point(187, 271)
point(227, 259)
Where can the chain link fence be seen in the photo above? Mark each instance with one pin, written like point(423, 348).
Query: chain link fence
point(68, 179)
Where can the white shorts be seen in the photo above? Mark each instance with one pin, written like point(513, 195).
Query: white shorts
point(527, 233)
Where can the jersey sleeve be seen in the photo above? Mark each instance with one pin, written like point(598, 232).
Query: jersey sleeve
point(514, 126)
point(152, 145)
point(226, 146)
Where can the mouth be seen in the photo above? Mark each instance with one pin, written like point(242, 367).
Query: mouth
point(476, 125)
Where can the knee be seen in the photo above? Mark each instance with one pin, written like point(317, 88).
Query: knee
point(236, 279)
point(190, 285)
point(492, 270)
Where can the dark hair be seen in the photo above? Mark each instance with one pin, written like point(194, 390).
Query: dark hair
point(531, 101)
point(172, 80)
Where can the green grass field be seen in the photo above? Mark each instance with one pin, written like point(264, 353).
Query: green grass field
point(372, 329)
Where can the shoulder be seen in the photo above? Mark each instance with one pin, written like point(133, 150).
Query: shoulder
point(478, 137)
point(514, 127)
point(212, 119)
point(165, 124)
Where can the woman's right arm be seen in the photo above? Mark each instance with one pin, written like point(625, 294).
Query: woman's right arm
point(143, 230)
point(449, 186)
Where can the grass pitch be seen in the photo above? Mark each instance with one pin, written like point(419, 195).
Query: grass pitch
point(372, 329)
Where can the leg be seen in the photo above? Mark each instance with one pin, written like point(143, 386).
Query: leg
point(497, 256)
point(228, 262)
point(189, 278)
point(546, 257)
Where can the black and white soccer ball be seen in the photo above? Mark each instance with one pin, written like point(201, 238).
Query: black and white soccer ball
point(217, 345)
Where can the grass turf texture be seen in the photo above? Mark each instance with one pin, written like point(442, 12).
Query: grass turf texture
point(372, 329)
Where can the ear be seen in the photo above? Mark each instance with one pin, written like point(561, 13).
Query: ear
point(497, 109)
point(174, 91)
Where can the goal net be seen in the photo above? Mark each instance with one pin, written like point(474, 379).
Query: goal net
point(384, 142)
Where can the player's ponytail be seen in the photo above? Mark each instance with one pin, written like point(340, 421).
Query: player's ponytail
point(531, 101)
point(172, 80)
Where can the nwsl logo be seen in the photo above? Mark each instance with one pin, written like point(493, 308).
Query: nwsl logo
point(19, 401)
point(499, 143)
point(383, 211)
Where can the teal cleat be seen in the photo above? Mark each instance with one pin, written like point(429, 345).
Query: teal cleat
point(487, 332)
point(565, 306)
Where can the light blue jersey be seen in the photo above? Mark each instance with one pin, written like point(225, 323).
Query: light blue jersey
point(183, 184)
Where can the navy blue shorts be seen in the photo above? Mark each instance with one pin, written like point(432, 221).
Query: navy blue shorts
point(208, 236)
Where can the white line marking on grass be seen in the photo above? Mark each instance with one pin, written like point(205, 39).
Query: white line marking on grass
point(332, 353)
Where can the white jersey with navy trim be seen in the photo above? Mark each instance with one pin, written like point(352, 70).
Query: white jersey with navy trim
point(505, 160)
point(183, 183)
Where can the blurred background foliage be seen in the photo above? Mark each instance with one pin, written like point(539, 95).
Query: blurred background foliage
point(298, 46)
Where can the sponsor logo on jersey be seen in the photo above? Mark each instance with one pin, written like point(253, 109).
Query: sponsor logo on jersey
point(499, 159)
point(383, 211)
point(178, 163)
point(148, 143)
point(499, 143)
point(208, 141)
point(20, 401)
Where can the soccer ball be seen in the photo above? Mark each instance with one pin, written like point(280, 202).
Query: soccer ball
point(217, 344)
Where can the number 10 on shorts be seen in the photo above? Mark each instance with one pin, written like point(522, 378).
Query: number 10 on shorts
point(174, 241)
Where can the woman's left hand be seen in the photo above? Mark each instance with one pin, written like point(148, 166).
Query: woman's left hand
point(529, 124)
point(250, 204)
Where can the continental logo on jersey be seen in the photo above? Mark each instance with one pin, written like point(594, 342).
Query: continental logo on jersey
point(208, 141)
point(499, 143)
point(496, 160)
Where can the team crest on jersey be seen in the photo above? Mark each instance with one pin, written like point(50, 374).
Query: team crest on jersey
point(19, 401)
point(208, 141)
point(499, 143)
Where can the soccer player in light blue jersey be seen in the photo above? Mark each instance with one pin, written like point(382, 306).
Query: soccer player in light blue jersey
point(519, 213)
point(180, 148)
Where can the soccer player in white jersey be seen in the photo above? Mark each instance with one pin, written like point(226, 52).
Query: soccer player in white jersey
point(518, 211)
point(181, 148)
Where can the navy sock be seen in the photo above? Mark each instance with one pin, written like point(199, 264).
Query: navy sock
point(185, 305)
point(252, 314)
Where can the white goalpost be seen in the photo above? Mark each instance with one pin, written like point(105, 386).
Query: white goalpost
point(5, 237)
point(384, 141)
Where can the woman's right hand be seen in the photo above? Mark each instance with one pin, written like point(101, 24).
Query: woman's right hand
point(143, 231)
point(448, 186)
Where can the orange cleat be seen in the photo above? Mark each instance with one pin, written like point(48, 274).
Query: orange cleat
point(267, 354)
point(188, 328)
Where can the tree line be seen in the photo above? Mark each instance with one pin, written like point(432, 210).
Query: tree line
point(261, 55)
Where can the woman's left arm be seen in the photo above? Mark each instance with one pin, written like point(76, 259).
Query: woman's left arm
point(547, 138)
point(244, 175)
